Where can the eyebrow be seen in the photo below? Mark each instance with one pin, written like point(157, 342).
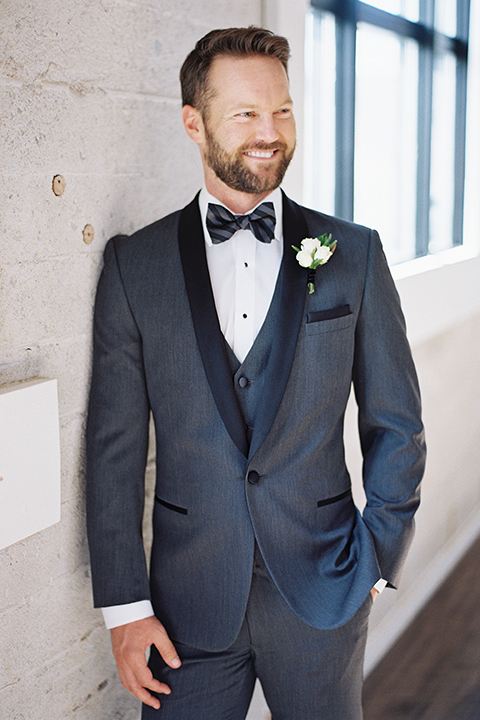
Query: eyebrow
point(253, 105)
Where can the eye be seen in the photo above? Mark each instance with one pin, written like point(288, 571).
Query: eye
point(247, 114)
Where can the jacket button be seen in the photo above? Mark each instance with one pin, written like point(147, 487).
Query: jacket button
point(243, 382)
point(253, 477)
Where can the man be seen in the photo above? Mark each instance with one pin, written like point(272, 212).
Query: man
point(261, 565)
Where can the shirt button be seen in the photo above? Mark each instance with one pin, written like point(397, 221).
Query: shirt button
point(243, 382)
point(253, 477)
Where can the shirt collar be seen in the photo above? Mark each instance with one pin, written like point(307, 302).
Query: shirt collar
point(275, 196)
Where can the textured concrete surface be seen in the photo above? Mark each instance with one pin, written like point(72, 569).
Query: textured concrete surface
point(88, 90)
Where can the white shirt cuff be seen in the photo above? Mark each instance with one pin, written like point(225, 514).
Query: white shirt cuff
point(380, 585)
point(116, 615)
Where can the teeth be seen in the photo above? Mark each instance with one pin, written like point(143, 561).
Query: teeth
point(258, 154)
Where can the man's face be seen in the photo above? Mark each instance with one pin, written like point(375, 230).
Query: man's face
point(249, 128)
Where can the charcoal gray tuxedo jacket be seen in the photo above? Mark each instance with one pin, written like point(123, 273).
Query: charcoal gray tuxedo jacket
point(158, 349)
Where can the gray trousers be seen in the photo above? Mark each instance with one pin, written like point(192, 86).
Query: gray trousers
point(306, 674)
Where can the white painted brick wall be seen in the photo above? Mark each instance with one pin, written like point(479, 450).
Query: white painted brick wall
point(89, 90)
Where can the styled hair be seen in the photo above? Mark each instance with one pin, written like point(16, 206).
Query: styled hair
point(236, 42)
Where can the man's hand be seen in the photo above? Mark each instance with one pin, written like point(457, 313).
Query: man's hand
point(374, 592)
point(129, 643)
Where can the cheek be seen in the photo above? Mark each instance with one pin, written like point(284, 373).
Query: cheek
point(290, 131)
point(235, 136)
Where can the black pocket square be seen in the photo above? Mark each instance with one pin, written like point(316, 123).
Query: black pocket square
point(337, 312)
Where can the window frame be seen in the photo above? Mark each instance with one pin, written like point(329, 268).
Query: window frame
point(348, 13)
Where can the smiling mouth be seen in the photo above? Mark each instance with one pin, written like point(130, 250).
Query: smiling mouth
point(265, 155)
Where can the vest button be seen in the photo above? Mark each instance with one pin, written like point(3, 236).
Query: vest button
point(253, 477)
point(243, 382)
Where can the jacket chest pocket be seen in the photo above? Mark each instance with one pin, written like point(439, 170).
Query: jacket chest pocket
point(328, 356)
point(322, 325)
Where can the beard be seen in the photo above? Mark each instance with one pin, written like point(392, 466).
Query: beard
point(232, 170)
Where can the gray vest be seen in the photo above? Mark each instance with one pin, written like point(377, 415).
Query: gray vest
point(249, 376)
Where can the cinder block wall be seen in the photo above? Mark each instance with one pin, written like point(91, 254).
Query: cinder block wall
point(89, 90)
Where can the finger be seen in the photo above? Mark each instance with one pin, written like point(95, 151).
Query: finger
point(140, 684)
point(142, 694)
point(129, 644)
point(167, 649)
point(144, 678)
point(139, 674)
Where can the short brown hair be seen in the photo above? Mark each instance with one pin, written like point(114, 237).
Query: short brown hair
point(237, 42)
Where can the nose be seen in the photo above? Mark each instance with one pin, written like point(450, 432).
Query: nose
point(266, 130)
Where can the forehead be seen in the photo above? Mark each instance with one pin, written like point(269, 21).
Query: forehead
point(253, 79)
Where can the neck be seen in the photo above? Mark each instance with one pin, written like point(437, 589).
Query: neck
point(238, 202)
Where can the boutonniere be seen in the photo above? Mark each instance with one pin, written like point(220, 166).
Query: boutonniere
point(314, 252)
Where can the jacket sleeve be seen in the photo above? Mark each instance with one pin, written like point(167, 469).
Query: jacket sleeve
point(117, 444)
point(389, 416)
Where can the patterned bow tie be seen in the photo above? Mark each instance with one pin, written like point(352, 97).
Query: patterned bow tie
point(222, 224)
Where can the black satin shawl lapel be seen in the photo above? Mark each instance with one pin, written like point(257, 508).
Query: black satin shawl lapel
point(210, 339)
point(293, 279)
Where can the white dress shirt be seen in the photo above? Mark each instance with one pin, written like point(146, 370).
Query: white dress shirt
point(243, 272)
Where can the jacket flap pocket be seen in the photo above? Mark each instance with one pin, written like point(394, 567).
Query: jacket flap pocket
point(335, 498)
point(170, 506)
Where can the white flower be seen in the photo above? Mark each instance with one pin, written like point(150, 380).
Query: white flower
point(310, 245)
point(304, 257)
point(314, 252)
point(323, 254)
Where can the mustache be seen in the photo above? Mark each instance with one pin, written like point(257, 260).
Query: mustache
point(265, 147)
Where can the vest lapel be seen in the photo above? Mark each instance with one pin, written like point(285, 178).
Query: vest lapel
point(293, 290)
point(210, 339)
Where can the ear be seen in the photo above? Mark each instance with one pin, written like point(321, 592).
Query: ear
point(193, 123)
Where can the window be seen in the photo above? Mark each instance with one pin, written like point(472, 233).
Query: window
point(385, 118)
